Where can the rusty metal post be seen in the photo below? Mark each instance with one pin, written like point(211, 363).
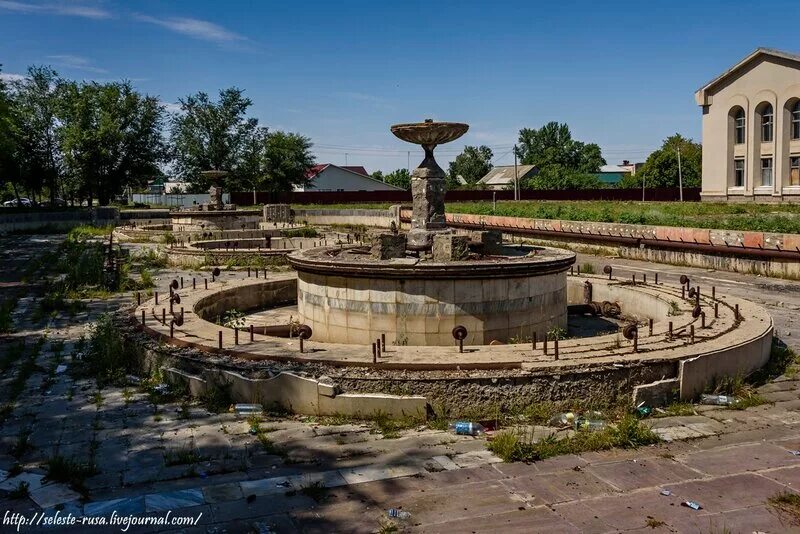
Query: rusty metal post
point(633, 278)
point(736, 312)
point(206, 281)
point(656, 278)
point(156, 295)
point(670, 329)
point(374, 354)
point(716, 310)
point(172, 329)
point(691, 332)
point(248, 271)
point(650, 327)
point(713, 292)
point(251, 333)
point(219, 338)
point(143, 315)
point(555, 347)
point(636, 341)
point(301, 345)
point(265, 273)
point(138, 299)
point(163, 316)
point(194, 283)
point(181, 282)
point(383, 342)
point(235, 336)
point(702, 319)
point(697, 295)
point(572, 270)
point(534, 341)
point(579, 270)
point(378, 346)
point(644, 278)
point(683, 292)
point(545, 344)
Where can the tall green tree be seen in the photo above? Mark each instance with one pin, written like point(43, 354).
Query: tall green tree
point(8, 144)
point(557, 155)
point(399, 178)
point(111, 138)
point(661, 167)
point(287, 160)
point(37, 100)
point(472, 165)
point(217, 135)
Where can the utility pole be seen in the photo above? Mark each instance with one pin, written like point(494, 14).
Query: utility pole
point(680, 174)
point(345, 159)
point(408, 162)
point(516, 175)
point(643, 179)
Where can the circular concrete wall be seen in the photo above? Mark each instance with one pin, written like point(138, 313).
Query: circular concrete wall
point(494, 301)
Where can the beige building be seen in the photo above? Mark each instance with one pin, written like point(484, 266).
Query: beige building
point(751, 130)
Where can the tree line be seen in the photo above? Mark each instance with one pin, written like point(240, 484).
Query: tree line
point(566, 163)
point(90, 141)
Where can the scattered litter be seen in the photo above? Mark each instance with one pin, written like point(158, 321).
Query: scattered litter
point(284, 484)
point(562, 419)
point(796, 453)
point(718, 400)
point(134, 380)
point(643, 411)
point(60, 369)
point(466, 428)
point(691, 504)
point(399, 514)
point(248, 409)
point(161, 389)
point(666, 493)
point(262, 528)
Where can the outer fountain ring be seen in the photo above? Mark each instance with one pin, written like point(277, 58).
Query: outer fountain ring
point(429, 132)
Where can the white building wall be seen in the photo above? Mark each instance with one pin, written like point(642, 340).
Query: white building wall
point(336, 179)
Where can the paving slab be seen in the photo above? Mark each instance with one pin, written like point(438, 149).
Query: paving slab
point(748, 457)
point(526, 520)
point(53, 494)
point(223, 492)
point(266, 486)
point(357, 475)
point(124, 506)
point(727, 493)
point(173, 500)
point(636, 474)
point(33, 480)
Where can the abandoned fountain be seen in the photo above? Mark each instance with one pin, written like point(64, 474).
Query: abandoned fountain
point(416, 288)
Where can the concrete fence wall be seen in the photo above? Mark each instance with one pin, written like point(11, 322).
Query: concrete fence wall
point(367, 217)
point(12, 220)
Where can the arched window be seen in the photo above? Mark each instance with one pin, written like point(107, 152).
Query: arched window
point(767, 121)
point(739, 126)
point(796, 120)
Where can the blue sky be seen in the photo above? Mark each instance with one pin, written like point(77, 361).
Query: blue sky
point(621, 74)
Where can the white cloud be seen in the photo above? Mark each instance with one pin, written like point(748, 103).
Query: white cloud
point(196, 28)
point(75, 62)
point(61, 8)
point(171, 107)
point(10, 77)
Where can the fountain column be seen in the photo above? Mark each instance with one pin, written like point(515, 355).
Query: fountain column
point(428, 180)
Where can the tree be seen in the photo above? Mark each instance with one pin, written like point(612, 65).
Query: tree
point(110, 136)
point(399, 178)
point(472, 165)
point(36, 98)
point(287, 160)
point(378, 175)
point(217, 135)
point(8, 144)
point(559, 177)
point(661, 167)
point(557, 155)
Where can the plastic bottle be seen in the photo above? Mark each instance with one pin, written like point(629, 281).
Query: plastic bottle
point(592, 425)
point(562, 419)
point(719, 400)
point(467, 428)
point(399, 514)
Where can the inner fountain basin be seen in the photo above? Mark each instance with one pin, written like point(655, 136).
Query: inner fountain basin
point(347, 296)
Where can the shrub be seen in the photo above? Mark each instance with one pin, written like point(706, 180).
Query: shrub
point(108, 356)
